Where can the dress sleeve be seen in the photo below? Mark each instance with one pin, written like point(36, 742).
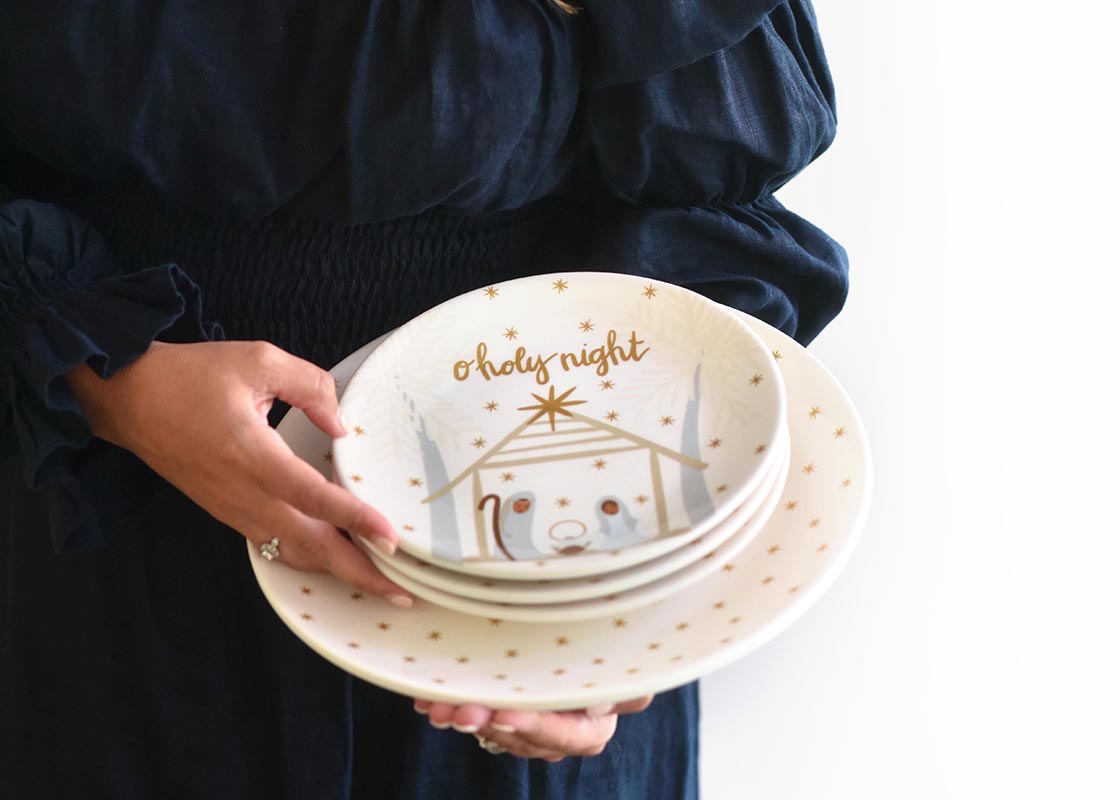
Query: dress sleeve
point(63, 302)
point(685, 165)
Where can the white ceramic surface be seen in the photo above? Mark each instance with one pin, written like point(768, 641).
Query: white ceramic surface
point(431, 652)
point(535, 428)
point(743, 524)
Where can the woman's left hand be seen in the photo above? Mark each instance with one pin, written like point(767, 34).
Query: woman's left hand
point(550, 735)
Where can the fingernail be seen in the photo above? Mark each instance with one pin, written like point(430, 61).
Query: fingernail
point(342, 421)
point(441, 725)
point(419, 710)
point(499, 726)
point(401, 600)
point(384, 545)
point(464, 728)
point(600, 711)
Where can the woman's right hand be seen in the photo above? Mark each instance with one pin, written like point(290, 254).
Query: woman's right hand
point(198, 415)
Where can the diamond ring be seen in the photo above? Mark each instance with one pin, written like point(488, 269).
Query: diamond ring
point(490, 747)
point(271, 550)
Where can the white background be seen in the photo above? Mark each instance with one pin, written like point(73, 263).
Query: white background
point(972, 646)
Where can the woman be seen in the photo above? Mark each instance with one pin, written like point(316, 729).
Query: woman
point(308, 176)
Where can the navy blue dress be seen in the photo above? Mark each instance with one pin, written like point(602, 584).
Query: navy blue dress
point(314, 174)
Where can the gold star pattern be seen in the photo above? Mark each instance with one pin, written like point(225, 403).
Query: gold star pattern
point(435, 636)
point(415, 482)
point(408, 527)
point(306, 616)
point(511, 333)
point(559, 671)
point(463, 660)
point(328, 457)
point(728, 567)
point(814, 522)
point(726, 640)
point(561, 641)
point(666, 421)
point(682, 626)
point(437, 680)
point(559, 285)
point(611, 416)
point(305, 590)
point(552, 406)
point(722, 487)
point(772, 549)
point(641, 499)
point(838, 433)
point(356, 478)
point(586, 326)
point(650, 292)
point(355, 596)
point(794, 589)
point(676, 658)
point(563, 502)
point(767, 580)
point(735, 620)
point(714, 443)
point(490, 292)
point(633, 671)
point(599, 463)
point(814, 412)
point(589, 685)
point(604, 385)
point(491, 406)
point(844, 484)
point(791, 505)
point(760, 449)
point(353, 645)
point(359, 430)
point(619, 622)
point(511, 653)
point(653, 646)
point(507, 477)
point(479, 442)
point(756, 379)
point(495, 622)
point(809, 469)
point(719, 605)
point(501, 676)
point(383, 626)
point(822, 548)
point(777, 354)
point(598, 662)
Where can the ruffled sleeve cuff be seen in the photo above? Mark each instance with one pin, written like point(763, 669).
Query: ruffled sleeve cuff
point(63, 302)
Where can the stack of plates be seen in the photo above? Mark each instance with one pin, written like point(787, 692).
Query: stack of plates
point(565, 447)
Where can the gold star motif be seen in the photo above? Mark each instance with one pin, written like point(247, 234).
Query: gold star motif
point(682, 626)
point(487, 584)
point(756, 379)
point(559, 671)
point(641, 499)
point(495, 622)
point(490, 292)
point(666, 421)
point(359, 430)
point(604, 385)
point(722, 487)
point(714, 443)
point(726, 640)
point(479, 442)
point(809, 469)
point(767, 580)
point(559, 285)
point(719, 605)
point(653, 646)
point(328, 457)
point(491, 406)
point(589, 685)
point(511, 653)
point(598, 662)
point(760, 449)
point(611, 416)
point(728, 567)
point(599, 463)
point(305, 590)
point(408, 527)
point(353, 645)
point(563, 502)
point(519, 688)
point(676, 658)
point(777, 354)
point(437, 680)
point(561, 641)
point(507, 477)
point(791, 505)
point(463, 660)
point(735, 620)
point(435, 636)
point(650, 291)
point(356, 478)
point(355, 595)
point(383, 626)
point(619, 622)
point(822, 548)
point(814, 411)
point(306, 616)
point(632, 671)
point(611, 597)
point(814, 522)
point(846, 483)
point(552, 406)
point(586, 326)
point(772, 549)
point(838, 433)
point(500, 676)
point(511, 333)
point(794, 589)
